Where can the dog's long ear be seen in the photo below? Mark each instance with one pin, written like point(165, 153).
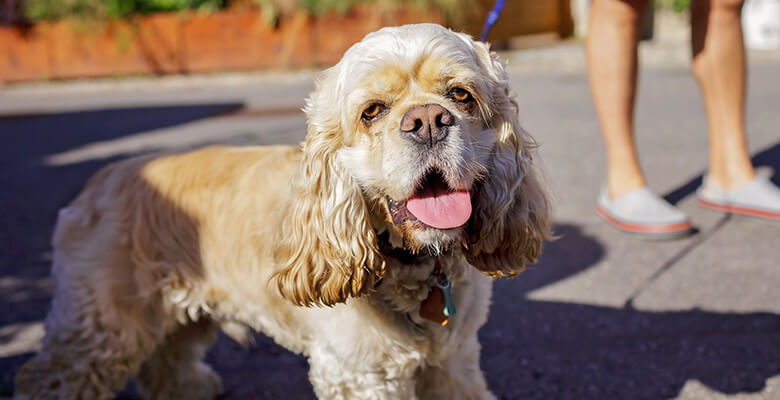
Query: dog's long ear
point(512, 212)
point(327, 246)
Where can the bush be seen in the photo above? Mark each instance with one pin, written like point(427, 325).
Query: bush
point(676, 5)
point(57, 9)
point(37, 10)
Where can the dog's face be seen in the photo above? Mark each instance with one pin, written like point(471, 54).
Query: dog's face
point(413, 131)
point(418, 139)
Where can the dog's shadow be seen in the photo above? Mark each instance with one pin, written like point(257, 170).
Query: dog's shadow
point(531, 348)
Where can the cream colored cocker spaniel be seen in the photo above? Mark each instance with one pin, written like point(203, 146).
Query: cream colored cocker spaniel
point(370, 249)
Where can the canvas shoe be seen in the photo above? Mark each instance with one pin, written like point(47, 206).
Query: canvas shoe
point(758, 198)
point(644, 213)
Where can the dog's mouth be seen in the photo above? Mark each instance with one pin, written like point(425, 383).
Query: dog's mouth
point(434, 204)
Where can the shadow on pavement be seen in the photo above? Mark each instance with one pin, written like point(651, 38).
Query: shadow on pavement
point(556, 350)
point(770, 158)
point(33, 191)
point(765, 158)
point(531, 349)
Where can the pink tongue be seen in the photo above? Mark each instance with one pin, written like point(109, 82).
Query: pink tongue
point(441, 210)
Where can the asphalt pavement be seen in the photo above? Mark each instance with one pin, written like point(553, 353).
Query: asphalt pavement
point(603, 315)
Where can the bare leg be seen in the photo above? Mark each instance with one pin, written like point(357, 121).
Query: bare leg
point(611, 49)
point(719, 66)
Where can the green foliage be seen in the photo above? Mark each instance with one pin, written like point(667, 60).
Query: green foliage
point(36, 10)
point(99, 9)
point(318, 7)
point(321, 6)
point(676, 5)
point(53, 9)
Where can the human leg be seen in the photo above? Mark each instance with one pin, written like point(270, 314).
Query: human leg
point(611, 50)
point(719, 67)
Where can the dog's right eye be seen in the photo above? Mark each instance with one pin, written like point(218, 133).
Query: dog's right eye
point(372, 111)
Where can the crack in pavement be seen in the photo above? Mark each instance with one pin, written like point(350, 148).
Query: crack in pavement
point(703, 237)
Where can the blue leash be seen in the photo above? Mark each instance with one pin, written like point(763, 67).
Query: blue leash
point(492, 17)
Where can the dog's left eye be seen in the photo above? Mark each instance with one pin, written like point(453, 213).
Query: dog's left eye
point(372, 111)
point(460, 95)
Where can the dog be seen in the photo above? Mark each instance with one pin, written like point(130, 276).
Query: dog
point(370, 249)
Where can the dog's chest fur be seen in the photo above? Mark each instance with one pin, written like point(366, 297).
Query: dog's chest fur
point(406, 285)
point(384, 326)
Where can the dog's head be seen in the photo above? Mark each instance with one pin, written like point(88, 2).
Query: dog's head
point(413, 132)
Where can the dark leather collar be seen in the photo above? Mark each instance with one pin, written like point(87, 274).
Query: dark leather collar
point(403, 255)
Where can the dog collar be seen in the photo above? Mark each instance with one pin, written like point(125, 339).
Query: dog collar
point(401, 254)
point(438, 306)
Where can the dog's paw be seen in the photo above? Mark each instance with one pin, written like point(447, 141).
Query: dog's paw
point(202, 384)
point(209, 381)
point(198, 383)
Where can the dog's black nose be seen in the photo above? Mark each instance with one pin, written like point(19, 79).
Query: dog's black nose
point(427, 124)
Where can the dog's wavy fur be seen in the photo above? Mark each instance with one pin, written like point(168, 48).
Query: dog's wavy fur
point(158, 252)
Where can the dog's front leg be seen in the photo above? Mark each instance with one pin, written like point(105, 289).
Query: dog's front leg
point(458, 377)
point(332, 378)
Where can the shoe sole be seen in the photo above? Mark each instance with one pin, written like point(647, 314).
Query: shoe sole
point(665, 231)
point(732, 209)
